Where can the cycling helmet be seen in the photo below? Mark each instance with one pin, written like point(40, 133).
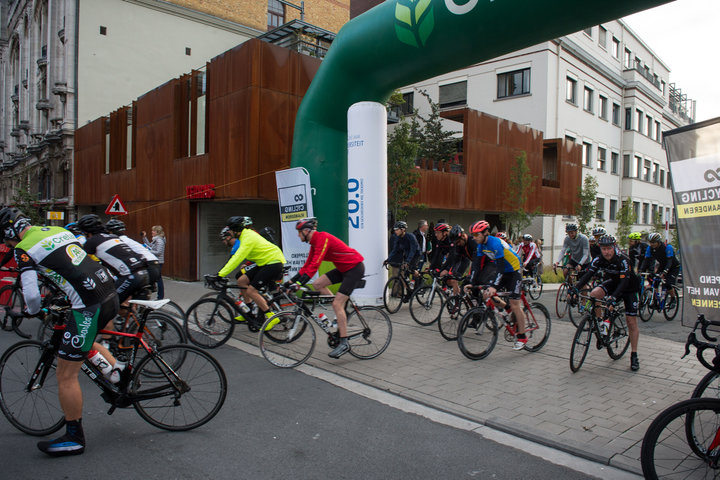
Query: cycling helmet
point(12, 222)
point(527, 236)
point(606, 240)
point(599, 231)
point(455, 232)
point(635, 236)
point(73, 228)
point(225, 233)
point(309, 222)
point(571, 227)
point(400, 224)
point(655, 237)
point(90, 224)
point(237, 223)
point(479, 227)
point(442, 227)
point(115, 226)
point(501, 235)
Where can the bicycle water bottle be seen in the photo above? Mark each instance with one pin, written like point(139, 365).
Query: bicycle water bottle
point(605, 327)
point(661, 294)
point(97, 359)
point(324, 320)
point(242, 306)
point(120, 364)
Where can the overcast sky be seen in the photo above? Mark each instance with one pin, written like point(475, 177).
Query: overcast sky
point(684, 34)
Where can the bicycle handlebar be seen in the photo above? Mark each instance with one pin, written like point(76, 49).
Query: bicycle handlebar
point(702, 346)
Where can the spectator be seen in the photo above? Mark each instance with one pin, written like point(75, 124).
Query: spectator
point(157, 247)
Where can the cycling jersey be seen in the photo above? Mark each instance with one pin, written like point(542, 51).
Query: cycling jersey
point(139, 248)
point(440, 255)
point(579, 249)
point(595, 250)
point(114, 253)
point(505, 258)
point(255, 248)
point(664, 255)
point(324, 246)
point(637, 254)
point(528, 252)
point(405, 249)
point(617, 271)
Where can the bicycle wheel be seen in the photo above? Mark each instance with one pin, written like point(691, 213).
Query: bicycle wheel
point(37, 411)
point(45, 330)
point(161, 330)
point(646, 310)
point(561, 305)
point(376, 332)
point(454, 310)
point(537, 326)
point(709, 386)
point(477, 333)
point(618, 338)
point(536, 287)
point(581, 343)
point(209, 322)
point(174, 310)
point(681, 441)
point(393, 294)
point(426, 305)
point(190, 392)
point(672, 304)
point(292, 343)
point(12, 298)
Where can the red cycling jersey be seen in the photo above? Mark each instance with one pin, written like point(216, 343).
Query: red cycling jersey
point(324, 246)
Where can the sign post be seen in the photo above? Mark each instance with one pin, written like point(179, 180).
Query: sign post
point(116, 207)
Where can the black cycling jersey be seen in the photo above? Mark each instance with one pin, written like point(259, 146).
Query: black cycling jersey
point(595, 250)
point(664, 255)
point(637, 254)
point(616, 270)
point(440, 255)
point(114, 253)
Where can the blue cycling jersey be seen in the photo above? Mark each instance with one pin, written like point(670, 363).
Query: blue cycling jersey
point(498, 250)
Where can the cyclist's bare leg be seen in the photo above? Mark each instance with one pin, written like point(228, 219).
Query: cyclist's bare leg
point(455, 286)
point(69, 391)
point(255, 295)
point(244, 282)
point(598, 293)
point(516, 305)
point(339, 309)
point(633, 332)
point(322, 284)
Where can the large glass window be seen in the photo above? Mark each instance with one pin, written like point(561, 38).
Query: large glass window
point(453, 94)
point(514, 83)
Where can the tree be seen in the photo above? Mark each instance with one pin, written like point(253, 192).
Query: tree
point(519, 188)
point(401, 172)
point(27, 203)
point(626, 219)
point(586, 209)
point(435, 142)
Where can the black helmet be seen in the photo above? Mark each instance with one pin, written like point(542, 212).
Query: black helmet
point(73, 228)
point(309, 222)
point(237, 223)
point(115, 226)
point(527, 236)
point(12, 222)
point(455, 232)
point(571, 227)
point(400, 224)
point(606, 240)
point(225, 233)
point(90, 224)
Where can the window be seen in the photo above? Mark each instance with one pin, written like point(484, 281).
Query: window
point(654, 213)
point(639, 125)
point(103, 30)
point(614, 157)
point(628, 59)
point(193, 129)
point(646, 213)
point(603, 107)
point(613, 211)
point(662, 84)
point(658, 132)
point(662, 177)
point(626, 166)
point(616, 48)
point(587, 154)
point(628, 119)
point(649, 126)
point(275, 14)
point(636, 211)
point(638, 167)
point(588, 95)
point(602, 153)
point(571, 93)
point(599, 208)
point(588, 31)
point(512, 84)
point(616, 114)
point(602, 36)
point(647, 166)
point(570, 138)
point(550, 165)
point(453, 94)
point(188, 51)
point(656, 172)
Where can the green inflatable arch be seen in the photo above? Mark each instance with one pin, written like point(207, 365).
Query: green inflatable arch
point(400, 42)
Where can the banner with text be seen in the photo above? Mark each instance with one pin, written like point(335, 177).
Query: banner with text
point(295, 203)
point(694, 159)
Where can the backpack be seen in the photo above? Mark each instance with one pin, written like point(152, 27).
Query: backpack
point(268, 234)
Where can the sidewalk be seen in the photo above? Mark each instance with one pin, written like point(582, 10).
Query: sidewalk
point(600, 413)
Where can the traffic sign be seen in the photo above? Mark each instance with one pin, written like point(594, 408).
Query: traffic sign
point(116, 207)
point(56, 215)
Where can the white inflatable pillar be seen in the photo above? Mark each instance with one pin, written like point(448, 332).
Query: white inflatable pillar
point(367, 194)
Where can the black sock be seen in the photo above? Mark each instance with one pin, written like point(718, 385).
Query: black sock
point(521, 336)
point(633, 354)
point(74, 429)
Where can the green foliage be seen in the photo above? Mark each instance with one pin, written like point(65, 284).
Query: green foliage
point(658, 224)
point(626, 219)
point(585, 210)
point(401, 172)
point(519, 188)
point(28, 204)
point(435, 143)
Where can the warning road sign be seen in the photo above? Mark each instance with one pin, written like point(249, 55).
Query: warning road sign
point(116, 207)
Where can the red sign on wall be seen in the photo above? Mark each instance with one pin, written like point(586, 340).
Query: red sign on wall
point(194, 192)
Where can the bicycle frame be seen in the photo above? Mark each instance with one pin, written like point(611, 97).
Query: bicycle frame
point(509, 326)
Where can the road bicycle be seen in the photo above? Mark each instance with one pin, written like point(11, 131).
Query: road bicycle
point(454, 309)
point(615, 339)
point(400, 287)
point(12, 300)
point(293, 338)
point(562, 303)
point(426, 303)
point(683, 441)
point(176, 387)
point(657, 297)
point(532, 282)
point(210, 321)
point(478, 330)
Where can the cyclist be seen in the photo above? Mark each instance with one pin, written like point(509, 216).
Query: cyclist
point(405, 249)
point(597, 232)
point(620, 283)
point(578, 246)
point(349, 269)
point(508, 274)
point(666, 263)
point(441, 251)
point(88, 286)
point(232, 243)
point(129, 267)
point(72, 226)
point(462, 254)
point(117, 227)
point(636, 250)
point(267, 256)
point(529, 254)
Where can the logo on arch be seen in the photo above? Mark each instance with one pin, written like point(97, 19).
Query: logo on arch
point(414, 21)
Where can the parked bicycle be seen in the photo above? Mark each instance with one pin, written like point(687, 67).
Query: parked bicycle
point(293, 339)
point(609, 328)
point(176, 387)
point(656, 297)
point(683, 441)
point(478, 330)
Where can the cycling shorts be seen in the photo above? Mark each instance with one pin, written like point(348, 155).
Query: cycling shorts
point(510, 282)
point(671, 276)
point(265, 276)
point(131, 284)
point(349, 279)
point(631, 299)
point(82, 326)
point(459, 267)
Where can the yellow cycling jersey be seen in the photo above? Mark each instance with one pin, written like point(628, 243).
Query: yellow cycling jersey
point(255, 248)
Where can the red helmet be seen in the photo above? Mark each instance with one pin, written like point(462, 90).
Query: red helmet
point(442, 227)
point(309, 222)
point(479, 227)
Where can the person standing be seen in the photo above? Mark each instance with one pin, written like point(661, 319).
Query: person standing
point(157, 247)
point(421, 234)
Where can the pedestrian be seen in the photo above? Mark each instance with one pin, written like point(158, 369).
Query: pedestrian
point(157, 247)
point(421, 234)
